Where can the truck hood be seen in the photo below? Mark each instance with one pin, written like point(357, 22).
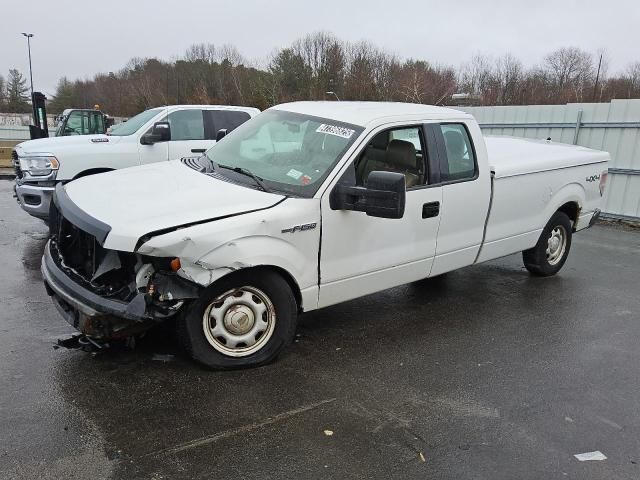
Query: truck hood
point(55, 145)
point(125, 205)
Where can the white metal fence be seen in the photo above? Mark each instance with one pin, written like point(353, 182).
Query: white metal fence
point(613, 127)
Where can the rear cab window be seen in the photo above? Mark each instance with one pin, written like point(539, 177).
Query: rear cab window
point(216, 120)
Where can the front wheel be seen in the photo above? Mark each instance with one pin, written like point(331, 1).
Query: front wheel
point(244, 320)
point(552, 249)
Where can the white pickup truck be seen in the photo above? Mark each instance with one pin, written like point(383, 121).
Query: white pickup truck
point(304, 206)
point(180, 130)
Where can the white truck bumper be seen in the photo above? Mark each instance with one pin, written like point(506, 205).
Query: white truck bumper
point(34, 199)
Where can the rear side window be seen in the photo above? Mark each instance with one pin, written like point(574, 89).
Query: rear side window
point(216, 120)
point(461, 161)
point(186, 125)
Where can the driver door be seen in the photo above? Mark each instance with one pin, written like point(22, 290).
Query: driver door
point(361, 254)
point(187, 134)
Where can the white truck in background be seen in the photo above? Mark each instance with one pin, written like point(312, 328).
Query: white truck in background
point(304, 206)
point(155, 135)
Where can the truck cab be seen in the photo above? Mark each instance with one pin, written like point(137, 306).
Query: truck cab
point(82, 121)
point(187, 130)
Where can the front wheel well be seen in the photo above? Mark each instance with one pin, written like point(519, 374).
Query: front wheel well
point(92, 171)
point(571, 210)
point(284, 274)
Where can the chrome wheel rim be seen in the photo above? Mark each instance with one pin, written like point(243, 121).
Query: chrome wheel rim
point(556, 245)
point(239, 322)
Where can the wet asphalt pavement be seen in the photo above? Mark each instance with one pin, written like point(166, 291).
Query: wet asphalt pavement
point(487, 373)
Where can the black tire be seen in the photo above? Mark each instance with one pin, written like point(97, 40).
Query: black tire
point(538, 260)
point(200, 344)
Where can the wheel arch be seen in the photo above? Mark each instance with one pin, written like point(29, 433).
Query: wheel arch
point(288, 277)
point(572, 210)
point(92, 171)
point(568, 200)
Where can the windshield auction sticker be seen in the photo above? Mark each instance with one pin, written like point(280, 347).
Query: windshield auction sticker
point(294, 174)
point(335, 130)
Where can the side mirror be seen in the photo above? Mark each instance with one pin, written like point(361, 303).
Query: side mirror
point(221, 134)
point(161, 132)
point(384, 196)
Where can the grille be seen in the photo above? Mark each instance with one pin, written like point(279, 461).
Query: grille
point(79, 254)
point(16, 164)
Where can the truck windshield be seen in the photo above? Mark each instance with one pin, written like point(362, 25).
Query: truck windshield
point(289, 152)
point(132, 125)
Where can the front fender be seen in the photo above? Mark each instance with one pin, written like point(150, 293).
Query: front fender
point(269, 238)
point(248, 252)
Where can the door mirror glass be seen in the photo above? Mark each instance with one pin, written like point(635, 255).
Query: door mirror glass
point(383, 196)
point(221, 134)
point(161, 132)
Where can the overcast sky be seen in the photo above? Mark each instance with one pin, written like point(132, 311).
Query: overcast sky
point(79, 38)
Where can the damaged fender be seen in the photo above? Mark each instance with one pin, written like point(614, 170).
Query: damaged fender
point(209, 251)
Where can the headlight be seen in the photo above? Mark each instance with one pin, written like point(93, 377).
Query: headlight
point(40, 165)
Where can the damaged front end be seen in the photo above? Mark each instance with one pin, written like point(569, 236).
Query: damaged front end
point(108, 294)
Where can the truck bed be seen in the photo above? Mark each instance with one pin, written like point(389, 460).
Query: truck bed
point(510, 156)
point(533, 179)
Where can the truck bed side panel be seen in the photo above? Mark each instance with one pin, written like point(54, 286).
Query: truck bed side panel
point(524, 203)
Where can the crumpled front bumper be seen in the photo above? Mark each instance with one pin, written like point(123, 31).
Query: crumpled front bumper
point(88, 312)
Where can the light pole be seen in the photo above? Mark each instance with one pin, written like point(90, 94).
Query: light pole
point(334, 94)
point(28, 36)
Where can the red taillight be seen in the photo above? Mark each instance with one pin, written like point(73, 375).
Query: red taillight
point(603, 181)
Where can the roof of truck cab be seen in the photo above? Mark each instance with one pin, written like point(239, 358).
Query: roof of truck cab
point(206, 107)
point(365, 113)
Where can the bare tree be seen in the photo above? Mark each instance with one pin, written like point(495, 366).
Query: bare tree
point(324, 55)
point(508, 79)
point(320, 62)
point(474, 76)
point(570, 69)
point(202, 52)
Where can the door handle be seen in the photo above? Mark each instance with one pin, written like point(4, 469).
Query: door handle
point(430, 210)
point(198, 150)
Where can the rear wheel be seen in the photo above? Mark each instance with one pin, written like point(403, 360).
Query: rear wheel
point(552, 249)
point(241, 321)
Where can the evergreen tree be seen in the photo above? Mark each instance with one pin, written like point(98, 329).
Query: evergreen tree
point(17, 98)
point(2, 93)
point(64, 97)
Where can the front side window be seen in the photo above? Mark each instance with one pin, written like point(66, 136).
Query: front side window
point(461, 162)
point(186, 125)
point(290, 152)
point(399, 150)
point(74, 124)
point(132, 125)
